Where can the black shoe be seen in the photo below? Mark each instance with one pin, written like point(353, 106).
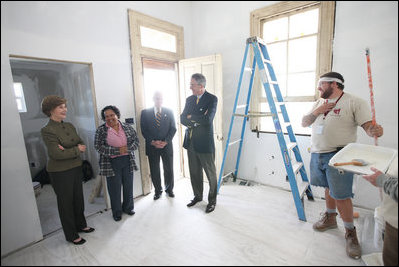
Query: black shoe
point(91, 229)
point(210, 208)
point(130, 213)
point(156, 196)
point(117, 218)
point(171, 194)
point(80, 242)
point(193, 202)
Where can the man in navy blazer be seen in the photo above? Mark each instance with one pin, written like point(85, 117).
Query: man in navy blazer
point(158, 128)
point(198, 114)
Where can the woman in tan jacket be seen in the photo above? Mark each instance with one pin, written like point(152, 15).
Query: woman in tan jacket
point(64, 166)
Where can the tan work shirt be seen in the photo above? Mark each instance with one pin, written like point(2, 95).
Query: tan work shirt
point(339, 127)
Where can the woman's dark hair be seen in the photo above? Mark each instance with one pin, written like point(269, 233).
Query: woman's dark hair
point(50, 102)
point(113, 108)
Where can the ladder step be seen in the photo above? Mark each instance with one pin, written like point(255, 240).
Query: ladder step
point(302, 186)
point(296, 166)
point(291, 146)
point(279, 103)
point(242, 106)
point(267, 61)
point(248, 69)
point(234, 142)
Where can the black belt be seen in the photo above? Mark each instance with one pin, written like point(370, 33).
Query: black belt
point(339, 148)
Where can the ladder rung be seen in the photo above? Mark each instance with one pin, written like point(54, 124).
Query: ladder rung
point(273, 82)
point(296, 166)
point(262, 114)
point(230, 173)
point(290, 146)
point(234, 142)
point(242, 106)
point(279, 103)
point(248, 69)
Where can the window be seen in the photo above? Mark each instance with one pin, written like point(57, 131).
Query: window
point(158, 40)
point(299, 38)
point(19, 97)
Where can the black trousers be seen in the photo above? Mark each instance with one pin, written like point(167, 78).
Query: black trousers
point(197, 163)
point(68, 188)
point(154, 156)
point(390, 250)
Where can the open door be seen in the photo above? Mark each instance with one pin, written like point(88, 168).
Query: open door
point(211, 68)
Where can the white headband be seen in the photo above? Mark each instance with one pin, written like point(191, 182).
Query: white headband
point(330, 79)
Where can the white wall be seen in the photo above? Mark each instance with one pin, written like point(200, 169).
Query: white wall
point(97, 32)
point(224, 27)
point(93, 32)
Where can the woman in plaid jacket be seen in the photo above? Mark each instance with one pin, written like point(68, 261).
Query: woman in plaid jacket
point(116, 142)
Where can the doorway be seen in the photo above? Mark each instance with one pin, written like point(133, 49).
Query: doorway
point(34, 79)
point(162, 76)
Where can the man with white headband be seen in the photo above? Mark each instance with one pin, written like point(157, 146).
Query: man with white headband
point(334, 119)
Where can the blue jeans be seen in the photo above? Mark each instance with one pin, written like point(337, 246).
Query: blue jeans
point(321, 174)
point(123, 177)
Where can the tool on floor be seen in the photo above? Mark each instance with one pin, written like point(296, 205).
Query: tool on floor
point(356, 162)
point(268, 79)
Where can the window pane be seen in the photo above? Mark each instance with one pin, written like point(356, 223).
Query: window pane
point(304, 23)
point(278, 56)
point(19, 104)
point(295, 111)
point(18, 90)
point(156, 39)
point(275, 30)
point(301, 84)
point(302, 54)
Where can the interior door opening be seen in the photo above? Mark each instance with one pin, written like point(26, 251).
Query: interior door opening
point(38, 78)
point(162, 76)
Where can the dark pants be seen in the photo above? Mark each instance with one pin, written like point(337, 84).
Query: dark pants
point(198, 162)
point(390, 250)
point(123, 177)
point(68, 188)
point(154, 156)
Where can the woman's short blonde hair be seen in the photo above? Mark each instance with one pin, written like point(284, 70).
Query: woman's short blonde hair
point(50, 102)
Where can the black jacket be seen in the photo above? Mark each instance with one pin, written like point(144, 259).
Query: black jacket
point(201, 122)
point(151, 132)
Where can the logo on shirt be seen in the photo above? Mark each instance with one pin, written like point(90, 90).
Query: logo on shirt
point(337, 111)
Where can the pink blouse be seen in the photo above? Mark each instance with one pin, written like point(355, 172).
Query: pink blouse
point(116, 139)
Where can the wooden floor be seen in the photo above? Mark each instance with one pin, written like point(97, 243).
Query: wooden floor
point(251, 225)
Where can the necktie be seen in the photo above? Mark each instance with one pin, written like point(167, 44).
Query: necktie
point(198, 98)
point(158, 119)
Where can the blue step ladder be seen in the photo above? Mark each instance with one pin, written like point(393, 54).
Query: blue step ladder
point(268, 79)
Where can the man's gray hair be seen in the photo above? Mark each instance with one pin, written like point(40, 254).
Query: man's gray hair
point(199, 78)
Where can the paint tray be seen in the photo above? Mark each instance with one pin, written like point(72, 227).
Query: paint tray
point(376, 156)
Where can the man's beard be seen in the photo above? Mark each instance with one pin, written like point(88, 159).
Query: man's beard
point(327, 93)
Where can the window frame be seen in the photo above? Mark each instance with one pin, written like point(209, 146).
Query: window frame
point(324, 45)
point(21, 98)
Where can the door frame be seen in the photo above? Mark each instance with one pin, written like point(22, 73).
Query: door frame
point(137, 19)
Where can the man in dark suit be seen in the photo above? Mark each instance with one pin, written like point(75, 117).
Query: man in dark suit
point(197, 116)
point(158, 128)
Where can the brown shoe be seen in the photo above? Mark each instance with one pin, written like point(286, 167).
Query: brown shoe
point(353, 249)
point(327, 221)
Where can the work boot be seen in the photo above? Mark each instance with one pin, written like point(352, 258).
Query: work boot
point(353, 249)
point(327, 221)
